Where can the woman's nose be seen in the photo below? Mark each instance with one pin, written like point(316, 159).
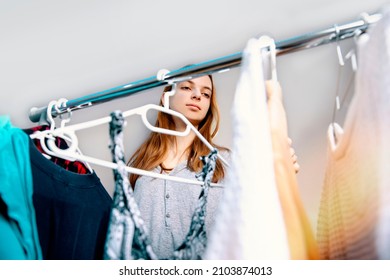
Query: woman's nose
point(196, 94)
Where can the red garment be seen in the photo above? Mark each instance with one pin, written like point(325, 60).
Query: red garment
point(73, 166)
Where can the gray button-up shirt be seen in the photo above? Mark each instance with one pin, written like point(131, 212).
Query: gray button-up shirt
point(167, 208)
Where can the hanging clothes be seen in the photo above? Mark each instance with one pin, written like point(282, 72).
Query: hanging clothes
point(18, 230)
point(72, 166)
point(302, 243)
point(126, 228)
point(72, 210)
point(249, 223)
point(128, 236)
point(354, 216)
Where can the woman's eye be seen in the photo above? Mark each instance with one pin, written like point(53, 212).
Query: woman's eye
point(206, 94)
point(185, 88)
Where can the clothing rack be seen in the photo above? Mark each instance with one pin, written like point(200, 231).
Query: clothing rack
point(302, 42)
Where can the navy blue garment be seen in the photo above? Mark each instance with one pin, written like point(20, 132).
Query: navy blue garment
point(72, 211)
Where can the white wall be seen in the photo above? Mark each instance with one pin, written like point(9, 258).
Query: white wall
point(52, 49)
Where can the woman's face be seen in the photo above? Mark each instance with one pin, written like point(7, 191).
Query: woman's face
point(192, 99)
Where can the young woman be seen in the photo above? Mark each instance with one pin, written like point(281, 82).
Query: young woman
point(167, 206)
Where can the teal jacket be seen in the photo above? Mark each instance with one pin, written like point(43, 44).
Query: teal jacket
point(18, 231)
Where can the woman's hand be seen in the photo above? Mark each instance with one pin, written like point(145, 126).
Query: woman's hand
point(293, 156)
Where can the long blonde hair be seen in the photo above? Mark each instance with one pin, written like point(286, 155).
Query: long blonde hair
point(154, 150)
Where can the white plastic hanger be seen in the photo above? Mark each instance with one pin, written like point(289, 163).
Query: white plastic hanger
point(48, 119)
point(69, 132)
point(48, 136)
point(340, 58)
point(351, 55)
point(341, 65)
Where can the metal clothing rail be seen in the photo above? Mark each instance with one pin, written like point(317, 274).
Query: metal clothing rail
point(306, 41)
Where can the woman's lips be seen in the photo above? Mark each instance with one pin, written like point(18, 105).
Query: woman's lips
point(193, 106)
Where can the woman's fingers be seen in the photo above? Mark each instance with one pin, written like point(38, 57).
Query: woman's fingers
point(293, 156)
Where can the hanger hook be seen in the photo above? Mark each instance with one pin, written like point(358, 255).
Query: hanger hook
point(168, 94)
point(272, 48)
point(267, 41)
point(49, 116)
point(338, 48)
point(358, 31)
point(161, 74)
point(62, 103)
point(365, 17)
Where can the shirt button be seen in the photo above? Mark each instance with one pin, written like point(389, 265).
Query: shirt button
point(167, 215)
point(167, 196)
